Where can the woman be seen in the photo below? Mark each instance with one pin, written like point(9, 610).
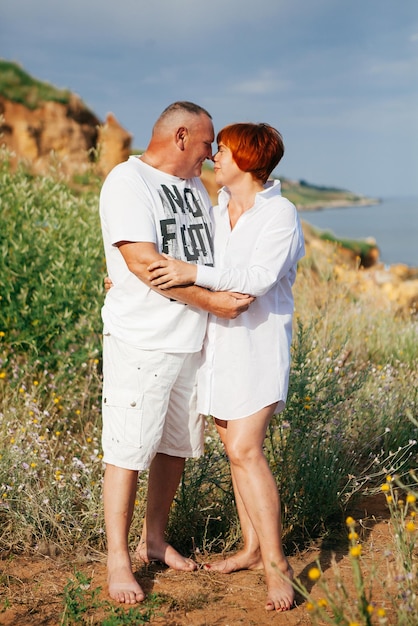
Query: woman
point(243, 380)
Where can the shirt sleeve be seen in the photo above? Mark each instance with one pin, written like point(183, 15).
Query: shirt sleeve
point(275, 253)
point(127, 211)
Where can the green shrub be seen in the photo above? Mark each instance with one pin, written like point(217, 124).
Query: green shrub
point(51, 270)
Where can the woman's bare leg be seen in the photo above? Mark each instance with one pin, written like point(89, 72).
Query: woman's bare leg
point(258, 490)
point(249, 556)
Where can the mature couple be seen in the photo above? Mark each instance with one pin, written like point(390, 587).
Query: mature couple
point(181, 278)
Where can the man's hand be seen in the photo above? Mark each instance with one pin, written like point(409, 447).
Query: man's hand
point(228, 305)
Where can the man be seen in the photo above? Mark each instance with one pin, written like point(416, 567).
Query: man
point(150, 205)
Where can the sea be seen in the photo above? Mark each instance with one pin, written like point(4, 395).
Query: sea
point(393, 223)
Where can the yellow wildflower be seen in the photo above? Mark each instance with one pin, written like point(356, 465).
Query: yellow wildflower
point(310, 606)
point(322, 603)
point(385, 487)
point(350, 521)
point(314, 573)
point(3, 374)
point(410, 498)
point(410, 527)
point(355, 551)
point(353, 536)
point(381, 612)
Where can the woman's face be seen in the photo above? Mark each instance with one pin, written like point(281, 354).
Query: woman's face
point(225, 168)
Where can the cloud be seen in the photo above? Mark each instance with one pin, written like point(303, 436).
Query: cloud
point(395, 71)
point(266, 82)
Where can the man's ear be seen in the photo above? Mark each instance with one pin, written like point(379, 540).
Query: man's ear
point(181, 137)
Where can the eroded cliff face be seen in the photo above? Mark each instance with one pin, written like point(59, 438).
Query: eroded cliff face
point(394, 286)
point(66, 136)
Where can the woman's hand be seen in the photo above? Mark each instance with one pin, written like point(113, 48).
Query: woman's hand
point(169, 272)
point(107, 283)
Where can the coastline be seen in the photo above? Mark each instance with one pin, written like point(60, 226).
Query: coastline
point(390, 223)
point(337, 204)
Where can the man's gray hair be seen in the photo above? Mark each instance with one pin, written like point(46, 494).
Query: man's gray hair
point(184, 105)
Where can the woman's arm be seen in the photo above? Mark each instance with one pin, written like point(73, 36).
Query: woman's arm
point(276, 250)
point(140, 255)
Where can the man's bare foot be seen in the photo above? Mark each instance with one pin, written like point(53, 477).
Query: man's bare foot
point(238, 561)
point(280, 591)
point(122, 584)
point(164, 553)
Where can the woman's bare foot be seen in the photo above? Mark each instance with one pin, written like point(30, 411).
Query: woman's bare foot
point(239, 561)
point(280, 591)
point(122, 584)
point(165, 554)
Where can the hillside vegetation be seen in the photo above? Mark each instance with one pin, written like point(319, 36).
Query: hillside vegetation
point(309, 196)
point(18, 86)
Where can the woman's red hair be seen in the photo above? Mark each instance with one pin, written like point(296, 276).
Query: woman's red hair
point(256, 148)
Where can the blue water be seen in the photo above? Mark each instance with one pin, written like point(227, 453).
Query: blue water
point(393, 224)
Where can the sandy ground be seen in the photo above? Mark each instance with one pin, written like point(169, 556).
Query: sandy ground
point(31, 587)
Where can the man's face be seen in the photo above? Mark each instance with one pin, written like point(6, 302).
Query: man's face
point(197, 146)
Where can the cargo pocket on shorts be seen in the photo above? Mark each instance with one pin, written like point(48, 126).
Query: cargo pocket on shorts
point(126, 407)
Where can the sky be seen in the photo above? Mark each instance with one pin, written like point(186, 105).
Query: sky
point(338, 78)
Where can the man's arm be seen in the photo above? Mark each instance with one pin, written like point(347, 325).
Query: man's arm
point(139, 255)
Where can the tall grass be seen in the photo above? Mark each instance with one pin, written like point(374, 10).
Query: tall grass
point(346, 425)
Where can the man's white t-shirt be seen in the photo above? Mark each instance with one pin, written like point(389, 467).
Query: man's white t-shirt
point(139, 203)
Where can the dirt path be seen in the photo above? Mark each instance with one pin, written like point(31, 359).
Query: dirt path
point(31, 588)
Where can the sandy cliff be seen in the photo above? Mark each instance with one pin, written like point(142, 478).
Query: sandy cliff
point(65, 135)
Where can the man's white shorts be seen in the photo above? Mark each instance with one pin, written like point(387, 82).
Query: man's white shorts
point(149, 405)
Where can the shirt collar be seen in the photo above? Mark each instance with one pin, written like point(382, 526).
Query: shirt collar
point(271, 188)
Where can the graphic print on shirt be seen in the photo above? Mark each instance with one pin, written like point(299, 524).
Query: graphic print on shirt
point(185, 230)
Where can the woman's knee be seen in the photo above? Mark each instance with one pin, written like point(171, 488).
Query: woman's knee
point(239, 454)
